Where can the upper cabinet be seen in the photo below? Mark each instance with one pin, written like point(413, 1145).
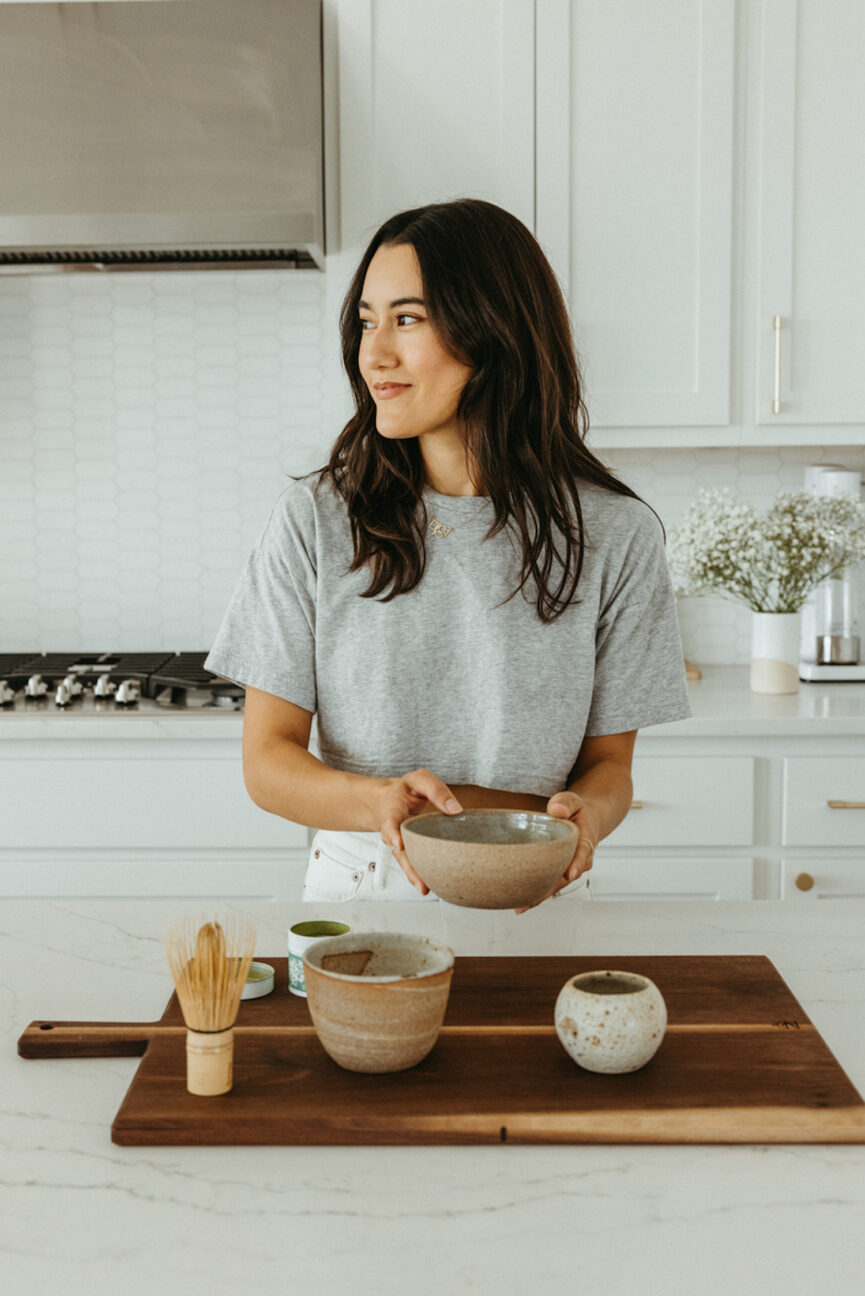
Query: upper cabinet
point(811, 176)
point(436, 101)
point(691, 167)
point(635, 105)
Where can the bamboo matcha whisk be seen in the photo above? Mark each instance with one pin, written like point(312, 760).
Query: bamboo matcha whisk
point(209, 964)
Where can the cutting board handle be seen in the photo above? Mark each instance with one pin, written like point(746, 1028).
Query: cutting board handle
point(69, 1039)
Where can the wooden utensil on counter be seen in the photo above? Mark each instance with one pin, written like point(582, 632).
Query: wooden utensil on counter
point(209, 965)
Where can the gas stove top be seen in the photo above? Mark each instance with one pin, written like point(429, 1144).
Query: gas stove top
point(128, 682)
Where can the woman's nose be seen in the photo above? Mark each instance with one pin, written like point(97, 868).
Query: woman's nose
point(380, 351)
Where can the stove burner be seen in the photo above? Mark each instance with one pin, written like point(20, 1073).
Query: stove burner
point(114, 679)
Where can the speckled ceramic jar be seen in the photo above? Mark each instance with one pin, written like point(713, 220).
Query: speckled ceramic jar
point(610, 1021)
point(378, 999)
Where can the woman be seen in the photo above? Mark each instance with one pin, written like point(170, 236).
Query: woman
point(473, 609)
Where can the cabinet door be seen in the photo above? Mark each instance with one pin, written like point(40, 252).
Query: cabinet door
point(436, 101)
point(634, 199)
point(812, 201)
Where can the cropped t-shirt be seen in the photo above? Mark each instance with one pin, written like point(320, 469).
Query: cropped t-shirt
point(442, 677)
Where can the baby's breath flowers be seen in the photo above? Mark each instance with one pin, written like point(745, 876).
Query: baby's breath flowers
point(771, 563)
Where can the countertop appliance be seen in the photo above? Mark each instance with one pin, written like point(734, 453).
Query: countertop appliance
point(830, 644)
point(161, 134)
point(136, 683)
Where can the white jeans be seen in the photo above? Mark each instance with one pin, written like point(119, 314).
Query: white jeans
point(355, 866)
point(359, 866)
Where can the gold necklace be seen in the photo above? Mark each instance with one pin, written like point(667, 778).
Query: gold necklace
point(439, 530)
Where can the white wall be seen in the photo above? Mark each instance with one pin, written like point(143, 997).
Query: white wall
point(148, 422)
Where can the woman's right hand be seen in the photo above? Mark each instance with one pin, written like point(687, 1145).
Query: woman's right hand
point(399, 798)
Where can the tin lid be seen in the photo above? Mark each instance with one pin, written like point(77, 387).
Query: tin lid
point(259, 981)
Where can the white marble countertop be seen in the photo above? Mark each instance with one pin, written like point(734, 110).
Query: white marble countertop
point(79, 1215)
point(723, 705)
point(721, 701)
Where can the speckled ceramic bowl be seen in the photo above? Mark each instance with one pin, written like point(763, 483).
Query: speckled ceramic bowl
point(490, 859)
point(378, 999)
point(610, 1021)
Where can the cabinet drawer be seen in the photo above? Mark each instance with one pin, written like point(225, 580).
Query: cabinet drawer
point(135, 802)
point(690, 801)
point(811, 785)
point(671, 879)
point(823, 878)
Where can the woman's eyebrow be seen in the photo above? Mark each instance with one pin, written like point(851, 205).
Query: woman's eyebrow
point(399, 301)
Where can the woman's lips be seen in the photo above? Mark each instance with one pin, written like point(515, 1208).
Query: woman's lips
point(387, 390)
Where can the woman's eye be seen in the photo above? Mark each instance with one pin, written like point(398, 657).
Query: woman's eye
point(366, 324)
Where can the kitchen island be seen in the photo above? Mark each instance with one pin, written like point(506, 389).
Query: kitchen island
point(81, 1215)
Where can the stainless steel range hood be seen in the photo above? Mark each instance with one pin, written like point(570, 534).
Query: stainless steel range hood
point(161, 134)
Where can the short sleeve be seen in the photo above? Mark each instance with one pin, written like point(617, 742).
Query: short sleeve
point(639, 662)
point(267, 636)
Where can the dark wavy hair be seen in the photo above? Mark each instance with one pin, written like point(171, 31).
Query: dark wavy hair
point(495, 304)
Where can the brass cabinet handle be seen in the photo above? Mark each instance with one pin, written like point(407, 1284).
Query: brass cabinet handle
point(776, 403)
point(804, 881)
point(846, 805)
point(636, 805)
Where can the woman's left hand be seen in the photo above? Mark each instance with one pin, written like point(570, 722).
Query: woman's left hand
point(569, 805)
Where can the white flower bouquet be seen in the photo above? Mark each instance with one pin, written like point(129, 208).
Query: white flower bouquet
point(771, 563)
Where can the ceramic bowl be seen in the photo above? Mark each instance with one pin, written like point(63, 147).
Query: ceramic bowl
point(377, 999)
point(490, 859)
point(610, 1021)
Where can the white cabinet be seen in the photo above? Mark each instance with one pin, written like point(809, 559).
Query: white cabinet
point(680, 878)
point(634, 199)
point(689, 166)
point(685, 801)
point(724, 816)
point(682, 801)
point(144, 816)
point(824, 802)
point(811, 174)
point(436, 101)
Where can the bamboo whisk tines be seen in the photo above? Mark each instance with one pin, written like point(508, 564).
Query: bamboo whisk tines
point(209, 962)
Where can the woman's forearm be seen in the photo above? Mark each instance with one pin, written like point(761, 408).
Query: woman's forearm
point(607, 785)
point(285, 779)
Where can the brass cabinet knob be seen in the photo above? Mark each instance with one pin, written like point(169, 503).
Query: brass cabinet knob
point(804, 881)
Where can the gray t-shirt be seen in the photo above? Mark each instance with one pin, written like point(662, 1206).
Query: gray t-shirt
point(440, 677)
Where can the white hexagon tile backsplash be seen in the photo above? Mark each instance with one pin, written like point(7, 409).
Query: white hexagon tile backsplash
point(149, 421)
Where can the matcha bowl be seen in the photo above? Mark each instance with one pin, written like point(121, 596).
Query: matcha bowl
point(490, 859)
point(378, 999)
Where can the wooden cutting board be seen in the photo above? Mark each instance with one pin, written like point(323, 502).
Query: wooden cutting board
point(740, 1063)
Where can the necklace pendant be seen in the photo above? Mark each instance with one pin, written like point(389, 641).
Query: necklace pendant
point(438, 529)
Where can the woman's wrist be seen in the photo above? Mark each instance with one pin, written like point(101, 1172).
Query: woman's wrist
point(366, 795)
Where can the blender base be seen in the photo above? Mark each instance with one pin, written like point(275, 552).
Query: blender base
point(811, 672)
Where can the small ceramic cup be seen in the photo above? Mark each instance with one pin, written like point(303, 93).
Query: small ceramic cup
point(610, 1021)
point(300, 937)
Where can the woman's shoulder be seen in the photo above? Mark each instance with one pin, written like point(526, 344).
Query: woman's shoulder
point(615, 519)
point(308, 502)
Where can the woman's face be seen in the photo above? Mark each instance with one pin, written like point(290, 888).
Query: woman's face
point(415, 383)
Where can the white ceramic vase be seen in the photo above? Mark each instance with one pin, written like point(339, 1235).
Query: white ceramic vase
point(775, 652)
